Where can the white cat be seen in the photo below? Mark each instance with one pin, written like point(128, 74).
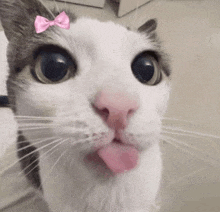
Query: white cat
point(89, 101)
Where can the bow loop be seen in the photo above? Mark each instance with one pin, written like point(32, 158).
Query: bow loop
point(62, 20)
point(41, 24)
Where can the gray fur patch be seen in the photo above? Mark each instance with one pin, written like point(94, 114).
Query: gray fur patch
point(29, 160)
point(17, 17)
point(149, 28)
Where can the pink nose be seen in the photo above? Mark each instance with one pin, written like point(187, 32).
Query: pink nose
point(115, 108)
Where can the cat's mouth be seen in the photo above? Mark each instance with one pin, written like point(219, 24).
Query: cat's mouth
point(118, 157)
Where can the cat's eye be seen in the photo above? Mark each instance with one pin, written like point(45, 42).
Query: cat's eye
point(146, 69)
point(53, 67)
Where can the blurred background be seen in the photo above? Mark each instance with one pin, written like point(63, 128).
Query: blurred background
point(190, 33)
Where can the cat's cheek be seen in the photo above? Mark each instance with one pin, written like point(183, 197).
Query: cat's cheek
point(164, 98)
point(27, 105)
point(37, 99)
point(153, 102)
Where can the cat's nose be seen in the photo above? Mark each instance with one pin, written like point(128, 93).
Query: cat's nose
point(116, 108)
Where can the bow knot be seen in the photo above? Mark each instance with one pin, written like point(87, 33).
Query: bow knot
point(41, 23)
point(51, 23)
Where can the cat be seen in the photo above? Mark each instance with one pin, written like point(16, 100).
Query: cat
point(89, 101)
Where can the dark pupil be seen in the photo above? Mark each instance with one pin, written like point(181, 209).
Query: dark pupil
point(143, 69)
point(54, 66)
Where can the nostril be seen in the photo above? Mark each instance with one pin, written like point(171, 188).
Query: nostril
point(115, 140)
point(131, 112)
point(103, 112)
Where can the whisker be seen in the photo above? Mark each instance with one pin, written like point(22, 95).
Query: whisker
point(38, 141)
point(183, 134)
point(45, 154)
point(36, 125)
point(57, 140)
point(191, 132)
point(56, 162)
point(175, 119)
point(33, 128)
point(20, 117)
point(186, 176)
point(184, 144)
point(79, 141)
point(179, 145)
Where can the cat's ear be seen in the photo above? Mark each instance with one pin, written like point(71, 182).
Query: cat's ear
point(18, 16)
point(149, 26)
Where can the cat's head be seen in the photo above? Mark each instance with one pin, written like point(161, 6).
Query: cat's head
point(89, 86)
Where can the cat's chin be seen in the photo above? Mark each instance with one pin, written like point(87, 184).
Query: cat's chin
point(94, 183)
point(96, 165)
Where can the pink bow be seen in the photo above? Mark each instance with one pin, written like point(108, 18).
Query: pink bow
point(41, 23)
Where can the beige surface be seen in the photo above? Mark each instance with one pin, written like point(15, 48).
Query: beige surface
point(93, 3)
point(190, 31)
point(126, 6)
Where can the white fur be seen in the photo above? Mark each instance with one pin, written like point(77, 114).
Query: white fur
point(104, 52)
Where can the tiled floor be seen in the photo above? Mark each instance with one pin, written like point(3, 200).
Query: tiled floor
point(190, 31)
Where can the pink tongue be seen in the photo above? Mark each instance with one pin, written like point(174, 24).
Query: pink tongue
point(119, 157)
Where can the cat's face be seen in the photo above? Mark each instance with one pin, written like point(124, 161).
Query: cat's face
point(99, 57)
point(97, 87)
point(63, 73)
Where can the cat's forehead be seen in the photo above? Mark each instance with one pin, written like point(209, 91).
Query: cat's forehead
point(95, 26)
point(108, 35)
point(91, 27)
